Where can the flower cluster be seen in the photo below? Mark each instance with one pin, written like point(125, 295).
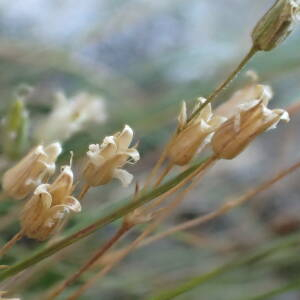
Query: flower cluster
point(50, 203)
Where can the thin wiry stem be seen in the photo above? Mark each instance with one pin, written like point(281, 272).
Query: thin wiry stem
point(116, 237)
point(83, 192)
point(168, 187)
point(226, 82)
point(225, 207)
point(11, 243)
point(164, 174)
point(164, 213)
point(218, 212)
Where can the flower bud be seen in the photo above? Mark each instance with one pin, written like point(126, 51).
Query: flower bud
point(234, 135)
point(276, 25)
point(45, 213)
point(15, 130)
point(194, 135)
point(105, 161)
point(20, 180)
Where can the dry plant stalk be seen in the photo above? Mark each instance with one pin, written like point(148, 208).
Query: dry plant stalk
point(142, 242)
point(130, 221)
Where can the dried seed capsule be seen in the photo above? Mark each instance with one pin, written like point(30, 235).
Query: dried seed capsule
point(46, 211)
point(235, 134)
point(194, 135)
point(106, 160)
point(276, 25)
point(20, 180)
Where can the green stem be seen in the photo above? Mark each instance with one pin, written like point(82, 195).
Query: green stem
point(294, 285)
point(226, 82)
point(248, 259)
point(113, 216)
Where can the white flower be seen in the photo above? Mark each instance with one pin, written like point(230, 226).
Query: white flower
point(106, 160)
point(71, 116)
point(20, 180)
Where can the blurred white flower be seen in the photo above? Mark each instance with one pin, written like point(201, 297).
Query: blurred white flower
point(70, 116)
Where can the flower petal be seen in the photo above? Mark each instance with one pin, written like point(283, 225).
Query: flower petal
point(125, 138)
point(124, 176)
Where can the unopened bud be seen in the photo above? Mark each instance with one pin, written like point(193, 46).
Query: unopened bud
point(15, 130)
point(276, 25)
point(234, 135)
point(20, 180)
point(46, 211)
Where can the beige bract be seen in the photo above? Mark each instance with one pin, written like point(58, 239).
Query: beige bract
point(250, 92)
point(2, 293)
point(70, 116)
point(45, 213)
point(105, 161)
point(20, 180)
point(253, 118)
point(193, 136)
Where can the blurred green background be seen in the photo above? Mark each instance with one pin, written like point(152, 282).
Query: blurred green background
point(144, 57)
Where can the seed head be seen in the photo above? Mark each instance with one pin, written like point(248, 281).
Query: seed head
point(253, 118)
point(20, 180)
point(276, 25)
point(45, 213)
point(193, 136)
point(105, 161)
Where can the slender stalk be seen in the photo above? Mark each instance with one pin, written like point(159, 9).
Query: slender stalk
point(171, 185)
point(226, 82)
point(83, 192)
point(225, 207)
point(116, 237)
point(161, 217)
point(164, 174)
point(11, 243)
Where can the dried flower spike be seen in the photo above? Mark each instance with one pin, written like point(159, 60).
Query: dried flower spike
point(2, 293)
point(71, 116)
point(106, 160)
point(253, 119)
point(20, 180)
point(46, 211)
point(276, 25)
point(193, 136)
